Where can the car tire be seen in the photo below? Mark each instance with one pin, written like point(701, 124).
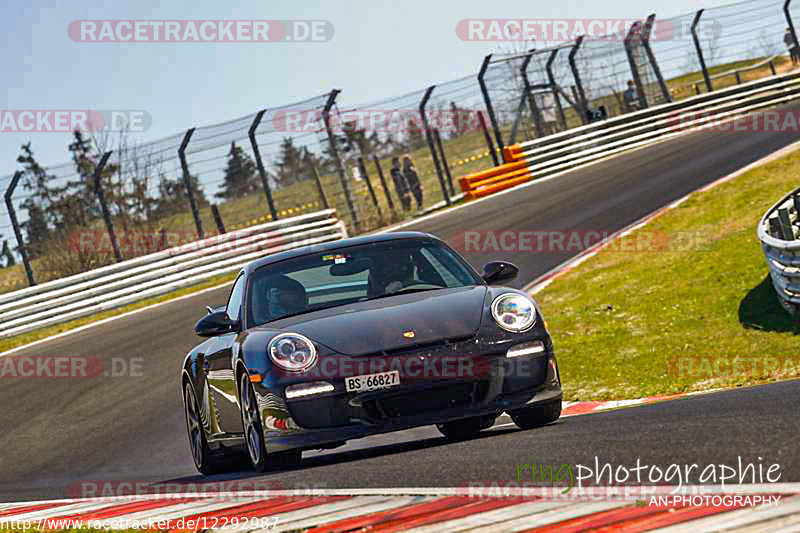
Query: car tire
point(536, 415)
point(204, 461)
point(466, 428)
point(260, 460)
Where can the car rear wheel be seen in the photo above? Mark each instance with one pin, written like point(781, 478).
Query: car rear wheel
point(254, 435)
point(536, 415)
point(204, 461)
point(466, 428)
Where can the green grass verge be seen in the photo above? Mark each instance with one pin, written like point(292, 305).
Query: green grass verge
point(696, 312)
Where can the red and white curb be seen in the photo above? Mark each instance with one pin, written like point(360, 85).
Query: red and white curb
point(418, 510)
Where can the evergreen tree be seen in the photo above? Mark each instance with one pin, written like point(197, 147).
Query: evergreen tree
point(240, 175)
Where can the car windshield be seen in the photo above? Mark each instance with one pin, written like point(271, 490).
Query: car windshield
point(352, 274)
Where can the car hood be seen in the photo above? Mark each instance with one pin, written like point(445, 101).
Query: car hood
point(375, 326)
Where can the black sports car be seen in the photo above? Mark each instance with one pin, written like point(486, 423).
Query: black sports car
point(336, 341)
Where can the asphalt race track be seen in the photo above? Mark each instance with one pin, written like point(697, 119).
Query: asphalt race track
point(57, 433)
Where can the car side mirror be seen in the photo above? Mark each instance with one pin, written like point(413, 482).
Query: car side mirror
point(216, 323)
point(499, 272)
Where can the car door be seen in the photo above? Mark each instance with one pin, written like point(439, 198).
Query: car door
point(219, 368)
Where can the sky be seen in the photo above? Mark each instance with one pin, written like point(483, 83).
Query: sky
point(378, 49)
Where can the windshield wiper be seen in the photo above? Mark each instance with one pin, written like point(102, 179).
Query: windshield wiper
point(402, 291)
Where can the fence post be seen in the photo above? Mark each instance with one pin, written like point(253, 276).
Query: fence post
point(551, 78)
point(772, 67)
point(385, 188)
point(699, 50)
point(438, 139)
point(577, 77)
point(535, 113)
point(187, 182)
point(637, 79)
point(488, 137)
point(429, 138)
point(651, 57)
point(363, 170)
point(321, 191)
point(217, 218)
point(790, 23)
point(488, 101)
point(261, 172)
point(101, 197)
point(337, 160)
point(12, 214)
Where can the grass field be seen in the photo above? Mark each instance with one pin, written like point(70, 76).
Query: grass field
point(694, 311)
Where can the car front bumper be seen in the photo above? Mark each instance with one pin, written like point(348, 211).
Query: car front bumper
point(331, 418)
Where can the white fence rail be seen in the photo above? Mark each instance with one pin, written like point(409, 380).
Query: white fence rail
point(779, 233)
point(579, 146)
point(150, 275)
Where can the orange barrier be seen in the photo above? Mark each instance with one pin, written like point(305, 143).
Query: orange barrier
point(485, 182)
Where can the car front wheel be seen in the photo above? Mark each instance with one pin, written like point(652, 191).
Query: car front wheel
point(536, 415)
point(466, 428)
point(254, 435)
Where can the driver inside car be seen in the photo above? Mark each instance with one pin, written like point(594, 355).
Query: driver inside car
point(284, 296)
point(391, 274)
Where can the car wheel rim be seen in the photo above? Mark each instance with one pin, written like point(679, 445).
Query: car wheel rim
point(193, 427)
point(251, 426)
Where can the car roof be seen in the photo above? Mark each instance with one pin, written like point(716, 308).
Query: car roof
point(335, 245)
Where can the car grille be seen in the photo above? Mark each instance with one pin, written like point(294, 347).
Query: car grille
point(434, 399)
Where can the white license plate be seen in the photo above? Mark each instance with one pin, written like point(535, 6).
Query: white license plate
point(368, 382)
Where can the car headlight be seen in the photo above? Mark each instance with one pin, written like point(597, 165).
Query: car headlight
point(292, 352)
point(514, 312)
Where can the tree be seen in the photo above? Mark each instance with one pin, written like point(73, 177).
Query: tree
point(240, 175)
point(292, 163)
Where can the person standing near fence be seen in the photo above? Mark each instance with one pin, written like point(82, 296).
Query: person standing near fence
point(412, 179)
point(400, 185)
point(630, 99)
point(794, 53)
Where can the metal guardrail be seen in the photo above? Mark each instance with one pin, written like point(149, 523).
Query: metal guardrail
point(598, 140)
point(150, 275)
point(779, 233)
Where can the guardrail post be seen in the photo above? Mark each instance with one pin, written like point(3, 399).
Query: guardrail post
point(785, 224)
point(637, 79)
point(12, 214)
point(551, 78)
point(429, 138)
point(535, 112)
point(488, 101)
point(581, 94)
point(261, 172)
point(651, 57)
point(217, 218)
point(772, 67)
point(363, 170)
point(790, 23)
point(320, 190)
point(187, 182)
point(101, 197)
point(348, 196)
point(488, 137)
point(699, 50)
point(438, 139)
point(385, 188)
